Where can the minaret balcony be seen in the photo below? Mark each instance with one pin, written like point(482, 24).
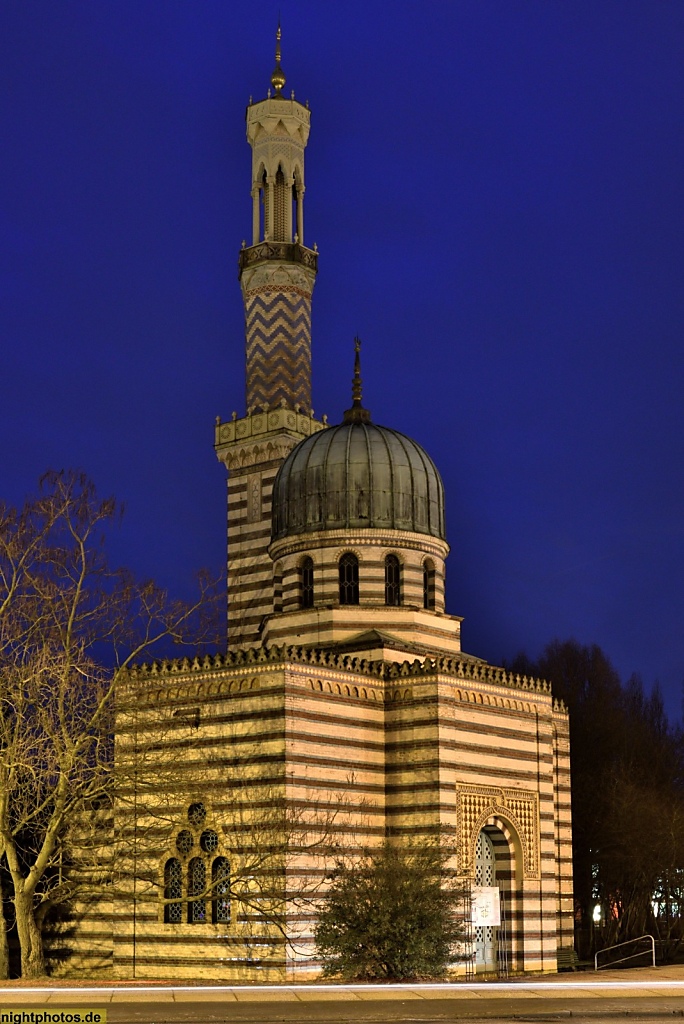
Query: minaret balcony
point(285, 252)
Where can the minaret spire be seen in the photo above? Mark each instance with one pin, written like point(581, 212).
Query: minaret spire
point(277, 271)
point(357, 413)
point(277, 78)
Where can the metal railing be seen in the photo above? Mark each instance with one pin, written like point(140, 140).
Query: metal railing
point(624, 959)
point(291, 252)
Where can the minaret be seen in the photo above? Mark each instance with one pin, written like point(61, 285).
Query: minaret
point(277, 274)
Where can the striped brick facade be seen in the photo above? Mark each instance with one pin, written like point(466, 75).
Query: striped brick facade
point(356, 750)
point(252, 450)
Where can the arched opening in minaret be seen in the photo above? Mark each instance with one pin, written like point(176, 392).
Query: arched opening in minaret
point(263, 207)
point(297, 208)
point(279, 208)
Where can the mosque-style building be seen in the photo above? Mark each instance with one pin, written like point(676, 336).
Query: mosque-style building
point(344, 710)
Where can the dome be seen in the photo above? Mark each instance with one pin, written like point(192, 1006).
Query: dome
point(358, 476)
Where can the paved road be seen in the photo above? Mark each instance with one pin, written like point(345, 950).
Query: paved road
point(653, 995)
point(543, 1009)
point(433, 1011)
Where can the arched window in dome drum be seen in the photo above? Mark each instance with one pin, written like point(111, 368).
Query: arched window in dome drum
point(392, 580)
point(349, 579)
point(307, 583)
point(428, 586)
point(173, 890)
point(197, 881)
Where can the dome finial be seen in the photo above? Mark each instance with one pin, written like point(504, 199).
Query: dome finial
point(277, 78)
point(357, 413)
point(356, 382)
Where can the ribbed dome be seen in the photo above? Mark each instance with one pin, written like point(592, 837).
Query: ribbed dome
point(358, 475)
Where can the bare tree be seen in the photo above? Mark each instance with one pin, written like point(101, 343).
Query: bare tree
point(70, 626)
point(628, 841)
point(4, 943)
point(273, 847)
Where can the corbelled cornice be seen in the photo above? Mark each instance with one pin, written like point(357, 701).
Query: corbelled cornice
point(462, 668)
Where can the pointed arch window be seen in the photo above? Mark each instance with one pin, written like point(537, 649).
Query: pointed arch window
point(297, 200)
point(262, 206)
point(220, 881)
point(392, 580)
point(307, 583)
point(280, 199)
point(349, 579)
point(173, 890)
point(197, 883)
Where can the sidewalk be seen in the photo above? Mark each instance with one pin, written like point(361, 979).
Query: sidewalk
point(637, 983)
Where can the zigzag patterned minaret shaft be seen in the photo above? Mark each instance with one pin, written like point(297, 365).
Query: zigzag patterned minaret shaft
point(277, 274)
point(278, 335)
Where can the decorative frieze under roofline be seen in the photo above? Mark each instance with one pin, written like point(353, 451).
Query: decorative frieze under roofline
point(222, 683)
point(464, 668)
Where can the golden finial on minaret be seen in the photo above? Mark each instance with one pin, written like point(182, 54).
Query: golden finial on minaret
point(277, 78)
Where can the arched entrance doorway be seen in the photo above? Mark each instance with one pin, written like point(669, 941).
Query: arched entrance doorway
point(486, 937)
point(498, 864)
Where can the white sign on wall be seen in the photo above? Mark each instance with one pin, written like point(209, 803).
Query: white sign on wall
point(486, 911)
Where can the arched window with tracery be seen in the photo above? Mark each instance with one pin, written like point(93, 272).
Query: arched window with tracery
point(197, 883)
point(220, 881)
point(428, 585)
point(392, 580)
point(307, 583)
point(349, 579)
point(173, 890)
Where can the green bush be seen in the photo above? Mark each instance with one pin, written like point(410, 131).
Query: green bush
point(391, 916)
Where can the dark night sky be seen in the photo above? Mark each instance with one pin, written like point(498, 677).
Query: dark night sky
point(495, 187)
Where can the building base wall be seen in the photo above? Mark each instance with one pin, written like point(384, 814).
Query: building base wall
point(319, 752)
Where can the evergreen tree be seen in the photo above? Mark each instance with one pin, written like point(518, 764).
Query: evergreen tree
point(391, 916)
